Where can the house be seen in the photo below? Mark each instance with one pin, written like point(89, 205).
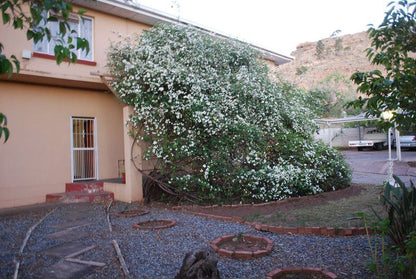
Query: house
point(66, 125)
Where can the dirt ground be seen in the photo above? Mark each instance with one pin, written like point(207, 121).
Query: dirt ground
point(281, 206)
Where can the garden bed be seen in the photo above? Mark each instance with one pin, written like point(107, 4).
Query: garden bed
point(242, 246)
point(300, 273)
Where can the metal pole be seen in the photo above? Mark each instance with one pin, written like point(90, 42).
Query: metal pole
point(398, 145)
point(390, 162)
point(389, 141)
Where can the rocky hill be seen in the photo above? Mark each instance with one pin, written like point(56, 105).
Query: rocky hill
point(328, 63)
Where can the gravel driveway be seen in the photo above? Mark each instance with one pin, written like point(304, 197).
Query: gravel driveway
point(159, 253)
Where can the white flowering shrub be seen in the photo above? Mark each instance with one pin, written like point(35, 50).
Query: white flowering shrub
point(222, 130)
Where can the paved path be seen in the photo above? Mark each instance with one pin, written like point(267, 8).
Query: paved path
point(371, 167)
point(69, 244)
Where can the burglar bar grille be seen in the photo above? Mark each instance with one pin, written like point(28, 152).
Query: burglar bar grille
point(83, 149)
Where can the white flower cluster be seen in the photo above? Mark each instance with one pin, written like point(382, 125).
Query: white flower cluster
point(211, 113)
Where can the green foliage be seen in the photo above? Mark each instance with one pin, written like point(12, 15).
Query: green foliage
point(301, 70)
point(409, 266)
point(338, 46)
point(6, 65)
point(4, 131)
point(320, 49)
point(222, 130)
point(400, 203)
point(329, 97)
point(377, 244)
point(393, 88)
point(399, 258)
point(326, 102)
point(334, 93)
point(335, 33)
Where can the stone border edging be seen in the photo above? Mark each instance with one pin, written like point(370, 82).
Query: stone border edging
point(287, 200)
point(240, 254)
point(311, 230)
point(167, 224)
point(282, 230)
point(310, 270)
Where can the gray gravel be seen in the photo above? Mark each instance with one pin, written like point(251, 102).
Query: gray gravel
point(159, 253)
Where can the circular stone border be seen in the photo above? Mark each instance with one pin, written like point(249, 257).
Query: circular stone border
point(131, 213)
point(146, 225)
point(296, 270)
point(245, 255)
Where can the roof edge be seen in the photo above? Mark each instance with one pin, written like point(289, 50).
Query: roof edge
point(143, 14)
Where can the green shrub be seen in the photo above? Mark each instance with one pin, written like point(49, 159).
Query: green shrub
point(301, 70)
point(398, 259)
point(222, 130)
point(338, 45)
point(400, 203)
point(320, 49)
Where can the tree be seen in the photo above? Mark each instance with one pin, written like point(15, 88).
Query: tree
point(221, 129)
point(338, 46)
point(335, 33)
point(320, 48)
point(393, 47)
point(33, 16)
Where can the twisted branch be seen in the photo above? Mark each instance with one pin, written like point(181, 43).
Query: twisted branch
point(162, 185)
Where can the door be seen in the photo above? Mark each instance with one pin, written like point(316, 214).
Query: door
point(84, 148)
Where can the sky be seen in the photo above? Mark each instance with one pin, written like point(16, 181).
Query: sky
point(277, 25)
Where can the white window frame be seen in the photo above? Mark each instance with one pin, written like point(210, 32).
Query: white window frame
point(48, 47)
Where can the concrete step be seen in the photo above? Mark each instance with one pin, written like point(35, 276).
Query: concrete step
point(86, 187)
point(79, 197)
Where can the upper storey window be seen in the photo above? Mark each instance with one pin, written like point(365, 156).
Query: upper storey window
point(83, 27)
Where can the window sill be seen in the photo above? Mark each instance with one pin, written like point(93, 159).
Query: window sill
point(52, 57)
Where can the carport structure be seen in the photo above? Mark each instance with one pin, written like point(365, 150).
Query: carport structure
point(362, 117)
point(332, 121)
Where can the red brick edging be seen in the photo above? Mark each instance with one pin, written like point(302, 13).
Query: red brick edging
point(278, 229)
point(293, 270)
point(244, 255)
point(311, 230)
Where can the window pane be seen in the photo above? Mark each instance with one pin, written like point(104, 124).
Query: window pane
point(54, 28)
point(86, 33)
point(41, 46)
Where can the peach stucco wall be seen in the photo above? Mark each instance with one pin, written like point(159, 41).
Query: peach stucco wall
point(39, 103)
point(36, 160)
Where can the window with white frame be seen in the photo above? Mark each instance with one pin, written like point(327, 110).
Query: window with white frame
point(83, 25)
